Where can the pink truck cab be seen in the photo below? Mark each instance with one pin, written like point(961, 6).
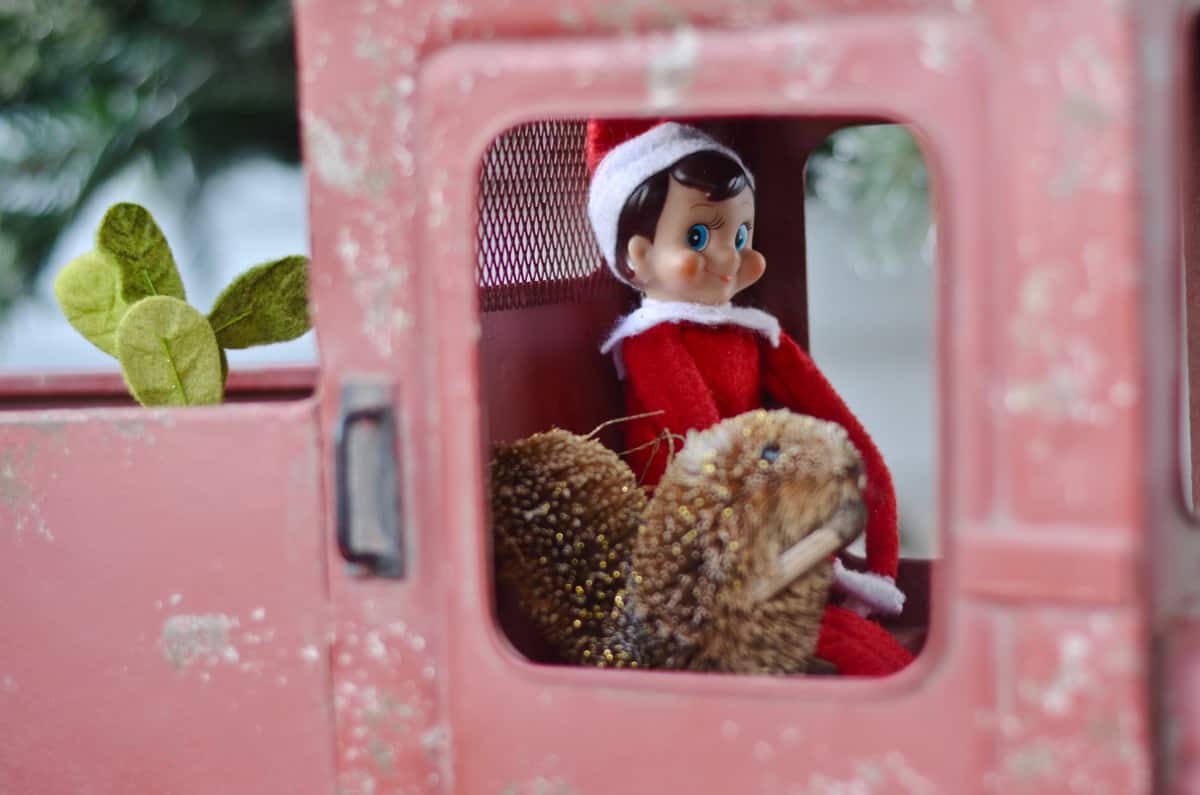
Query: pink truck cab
point(293, 592)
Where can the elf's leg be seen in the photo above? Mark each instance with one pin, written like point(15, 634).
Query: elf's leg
point(859, 646)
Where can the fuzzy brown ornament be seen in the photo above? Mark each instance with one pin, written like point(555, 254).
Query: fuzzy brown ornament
point(692, 578)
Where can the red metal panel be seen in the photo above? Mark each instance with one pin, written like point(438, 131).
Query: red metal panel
point(82, 390)
point(162, 602)
point(1026, 114)
point(732, 727)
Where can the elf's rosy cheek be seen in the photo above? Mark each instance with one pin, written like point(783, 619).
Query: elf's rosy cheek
point(689, 266)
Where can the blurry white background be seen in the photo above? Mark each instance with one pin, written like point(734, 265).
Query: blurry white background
point(250, 212)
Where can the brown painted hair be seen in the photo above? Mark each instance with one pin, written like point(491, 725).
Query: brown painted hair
point(718, 175)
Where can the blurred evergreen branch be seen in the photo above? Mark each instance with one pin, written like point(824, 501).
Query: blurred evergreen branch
point(86, 86)
point(876, 175)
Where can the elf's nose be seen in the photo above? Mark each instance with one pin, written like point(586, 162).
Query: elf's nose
point(723, 262)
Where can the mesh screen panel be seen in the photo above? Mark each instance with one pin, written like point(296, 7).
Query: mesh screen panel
point(535, 243)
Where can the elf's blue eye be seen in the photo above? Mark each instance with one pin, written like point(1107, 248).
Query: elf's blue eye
point(739, 239)
point(697, 237)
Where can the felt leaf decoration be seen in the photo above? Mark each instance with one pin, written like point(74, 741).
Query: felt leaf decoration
point(130, 236)
point(224, 367)
point(268, 303)
point(168, 354)
point(88, 290)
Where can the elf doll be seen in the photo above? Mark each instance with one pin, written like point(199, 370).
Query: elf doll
point(673, 212)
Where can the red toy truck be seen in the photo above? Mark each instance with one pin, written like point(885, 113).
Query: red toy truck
point(292, 593)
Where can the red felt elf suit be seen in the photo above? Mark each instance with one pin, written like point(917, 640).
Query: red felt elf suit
point(698, 363)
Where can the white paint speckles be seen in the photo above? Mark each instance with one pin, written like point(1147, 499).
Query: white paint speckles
point(375, 647)
point(8, 684)
point(810, 67)
point(339, 162)
point(890, 774)
point(18, 496)
point(258, 614)
point(730, 730)
point(310, 654)
point(451, 11)
point(1123, 394)
point(187, 638)
point(348, 249)
point(570, 19)
point(371, 48)
point(671, 69)
point(436, 740)
point(175, 599)
point(935, 53)
point(1068, 369)
point(437, 208)
point(1031, 762)
point(1074, 676)
point(763, 752)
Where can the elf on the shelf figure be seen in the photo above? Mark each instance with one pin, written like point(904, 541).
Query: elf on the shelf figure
point(673, 212)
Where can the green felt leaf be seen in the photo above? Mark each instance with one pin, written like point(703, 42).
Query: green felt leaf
point(130, 236)
point(168, 354)
point(88, 290)
point(268, 303)
point(224, 368)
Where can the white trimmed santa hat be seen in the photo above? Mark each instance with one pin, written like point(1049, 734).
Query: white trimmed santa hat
point(623, 154)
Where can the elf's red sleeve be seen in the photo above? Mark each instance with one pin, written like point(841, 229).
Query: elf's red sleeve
point(662, 376)
point(857, 646)
point(791, 377)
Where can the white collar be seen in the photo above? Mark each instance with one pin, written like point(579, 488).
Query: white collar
point(654, 312)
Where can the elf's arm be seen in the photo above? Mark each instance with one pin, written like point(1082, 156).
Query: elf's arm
point(791, 377)
point(662, 376)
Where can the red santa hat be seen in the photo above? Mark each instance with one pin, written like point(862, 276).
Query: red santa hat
point(622, 154)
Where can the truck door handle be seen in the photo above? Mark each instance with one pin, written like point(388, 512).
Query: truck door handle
point(369, 531)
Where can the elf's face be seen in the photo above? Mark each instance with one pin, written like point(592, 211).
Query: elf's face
point(702, 250)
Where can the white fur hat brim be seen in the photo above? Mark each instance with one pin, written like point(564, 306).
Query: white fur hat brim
point(631, 163)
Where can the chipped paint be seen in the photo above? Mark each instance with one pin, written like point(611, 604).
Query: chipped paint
point(890, 774)
point(188, 638)
point(935, 53)
point(338, 161)
point(540, 786)
point(671, 69)
point(18, 496)
point(810, 66)
point(1072, 369)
